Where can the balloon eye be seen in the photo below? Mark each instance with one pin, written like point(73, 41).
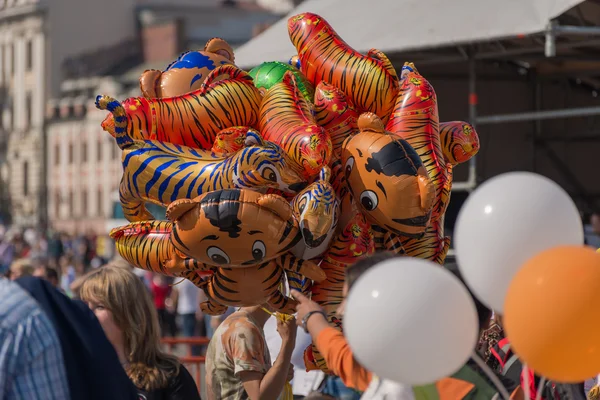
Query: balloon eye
point(349, 165)
point(258, 250)
point(369, 200)
point(303, 202)
point(217, 255)
point(269, 174)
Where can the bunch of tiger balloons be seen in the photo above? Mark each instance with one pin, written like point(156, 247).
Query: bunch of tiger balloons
point(286, 172)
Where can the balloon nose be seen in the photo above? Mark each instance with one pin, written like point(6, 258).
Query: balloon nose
point(310, 240)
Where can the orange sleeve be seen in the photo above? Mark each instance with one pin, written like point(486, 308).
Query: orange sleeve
point(335, 349)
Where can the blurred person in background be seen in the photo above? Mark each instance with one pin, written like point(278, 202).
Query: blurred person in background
point(592, 231)
point(67, 273)
point(7, 251)
point(130, 321)
point(160, 289)
point(48, 274)
point(21, 267)
point(186, 298)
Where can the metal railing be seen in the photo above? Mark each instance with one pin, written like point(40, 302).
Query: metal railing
point(189, 360)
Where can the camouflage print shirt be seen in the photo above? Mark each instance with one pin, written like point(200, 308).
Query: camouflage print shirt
point(237, 345)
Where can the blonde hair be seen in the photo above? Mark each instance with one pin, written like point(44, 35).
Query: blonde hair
point(125, 295)
point(23, 267)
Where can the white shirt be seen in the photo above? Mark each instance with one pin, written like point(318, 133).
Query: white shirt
point(387, 390)
point(187, 301)
point(303, 382)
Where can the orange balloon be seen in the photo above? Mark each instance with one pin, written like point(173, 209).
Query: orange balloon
point(550, 313)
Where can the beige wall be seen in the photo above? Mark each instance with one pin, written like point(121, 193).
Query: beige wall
point(56, 30)
point(90, 178)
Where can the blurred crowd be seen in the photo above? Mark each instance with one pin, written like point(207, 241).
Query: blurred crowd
point(65, 260)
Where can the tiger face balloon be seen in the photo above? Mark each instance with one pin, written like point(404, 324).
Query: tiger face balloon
point(233, 227)
point(387, 179)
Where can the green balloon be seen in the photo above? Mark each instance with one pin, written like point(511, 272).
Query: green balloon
point(269, 73)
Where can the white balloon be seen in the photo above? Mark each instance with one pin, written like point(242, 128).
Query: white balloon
point(506, 221)
point(410, 321)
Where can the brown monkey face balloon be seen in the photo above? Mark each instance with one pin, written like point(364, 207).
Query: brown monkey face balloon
point(388, 181)
point(233, 227)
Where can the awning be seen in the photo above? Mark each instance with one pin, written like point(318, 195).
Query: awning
point(402, 25)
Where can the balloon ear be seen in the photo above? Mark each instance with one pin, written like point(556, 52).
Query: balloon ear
point(325, 174)
point(178, 208)
point(253, 138)
point(370, 122)
point(149, 82)
point(221, 47)
point(277, 204)
point(295, 62)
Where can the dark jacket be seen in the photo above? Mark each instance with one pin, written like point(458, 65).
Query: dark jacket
point(93, 368)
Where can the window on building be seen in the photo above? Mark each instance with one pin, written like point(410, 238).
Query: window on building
point(70, 153)
point(84, 203)
point(29, 59)
point(100, 204)
point(84, 152)
point(99, 151)
point(57, 154)
point(29, 110)
point(71, 209)
point(25, 178)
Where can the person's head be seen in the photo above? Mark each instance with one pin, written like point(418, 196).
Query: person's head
point(354, 271)
point(47, 273)
point(484, 314)
point(52, 276)
point(65, 261)
point(126, 312)
point(21, 267)
point(595, 222)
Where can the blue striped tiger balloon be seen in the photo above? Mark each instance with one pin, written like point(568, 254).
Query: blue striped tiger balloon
point(161, 173)
point(317, 209)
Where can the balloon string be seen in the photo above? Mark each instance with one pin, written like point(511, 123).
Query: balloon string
point(490, 374)
point(538, 396)
point(527, 388)
point(175, 284)
point(279, 316)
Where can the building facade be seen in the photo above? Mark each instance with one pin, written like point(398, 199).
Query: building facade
point(36, 37)
point(84, 162)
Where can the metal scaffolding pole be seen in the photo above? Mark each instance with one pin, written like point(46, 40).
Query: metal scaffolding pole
point(471, 181)
point(539, 115)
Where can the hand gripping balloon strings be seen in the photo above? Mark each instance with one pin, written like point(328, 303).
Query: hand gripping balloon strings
point(287, 388)
point(488, 372)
